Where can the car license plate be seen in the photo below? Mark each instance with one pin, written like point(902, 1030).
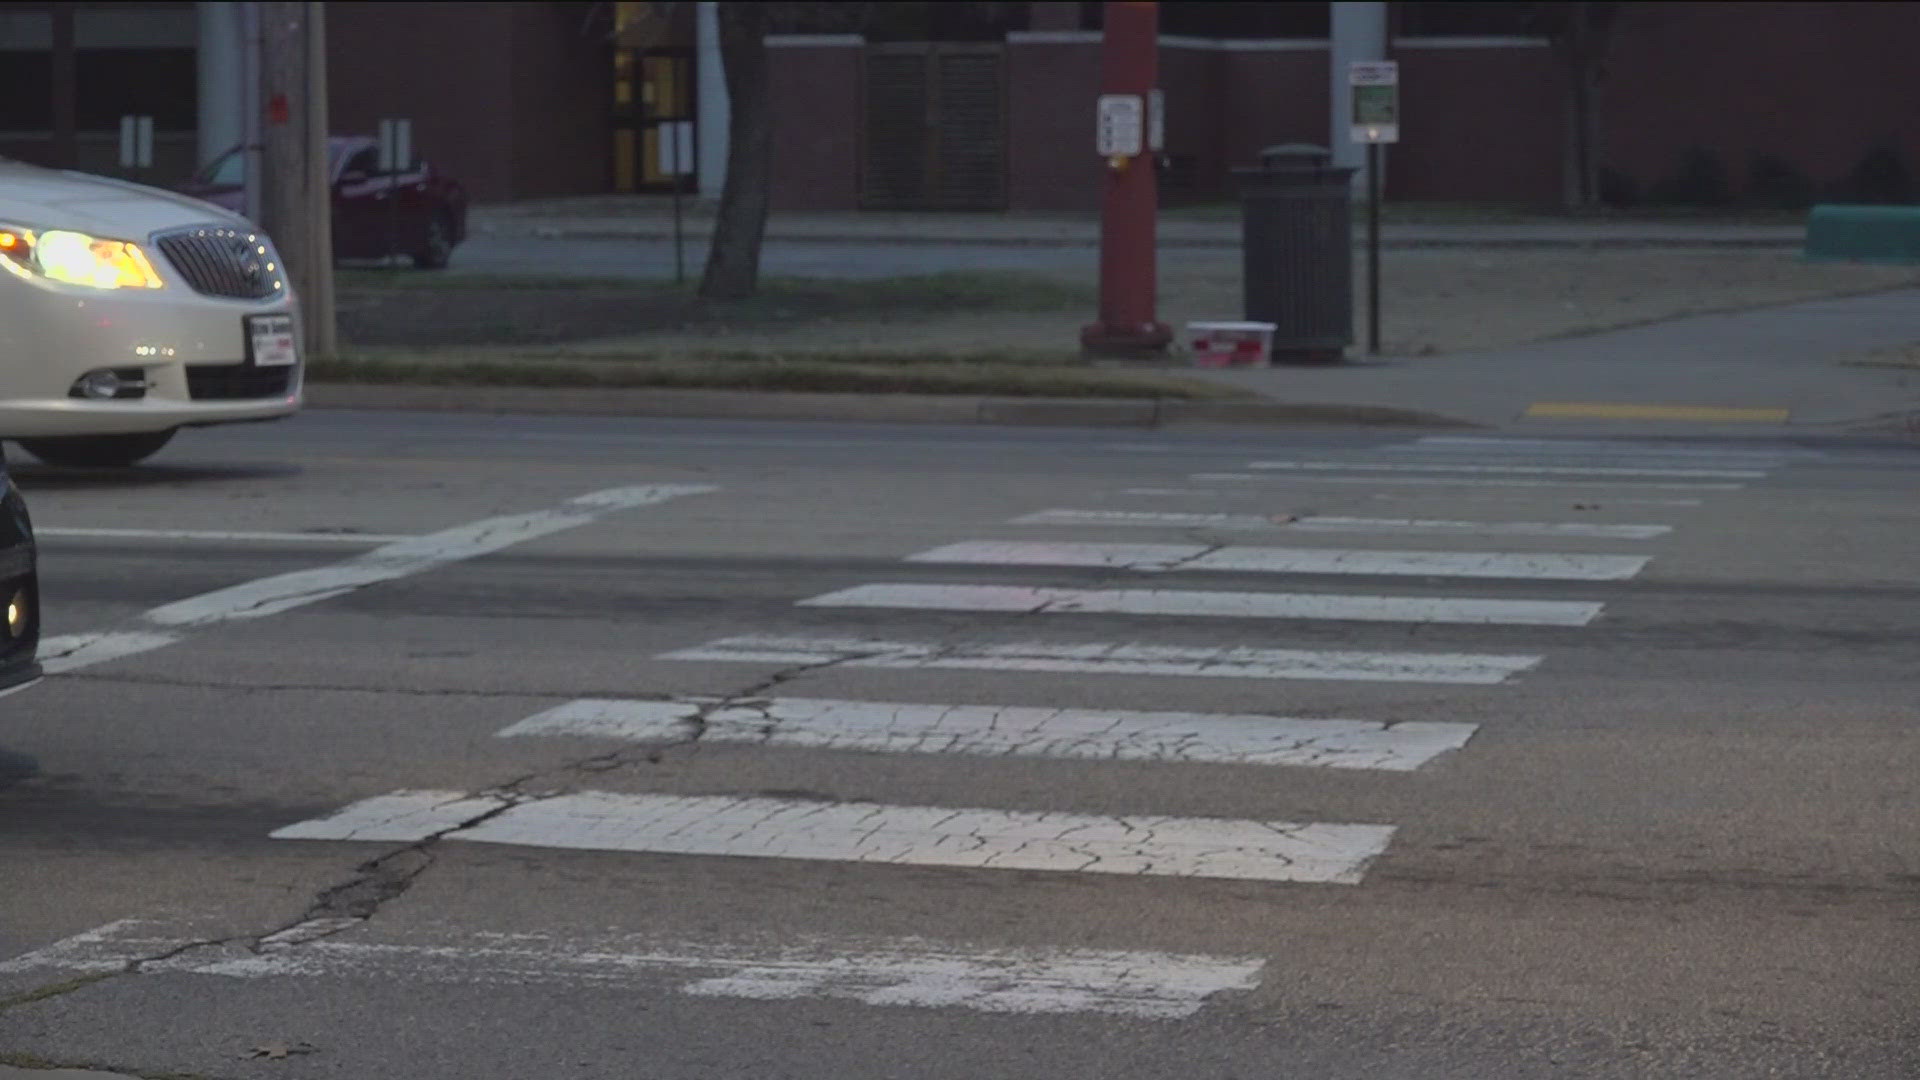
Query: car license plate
point(271, 340)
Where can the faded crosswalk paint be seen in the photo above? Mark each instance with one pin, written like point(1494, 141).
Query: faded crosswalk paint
point(168, 623)
point(218, 536)
point(1591, 448)
point(1236, 605)
point(1338, 523)
point(769, 828)
point(1007, 731)
point(1115, 659)
point(1543, 470)
point(1267, 560)
point(910, 972)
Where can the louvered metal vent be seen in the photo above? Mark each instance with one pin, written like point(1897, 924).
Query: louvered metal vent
point(935, 132)
point(972, 132)
point(898, 130)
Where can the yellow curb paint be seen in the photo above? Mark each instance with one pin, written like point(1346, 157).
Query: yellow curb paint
point(1607, 411)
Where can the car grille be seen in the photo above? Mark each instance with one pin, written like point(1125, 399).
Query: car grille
point(219, 261)
point(236, 382)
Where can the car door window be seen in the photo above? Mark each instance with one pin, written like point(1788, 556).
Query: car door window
point(366, 163)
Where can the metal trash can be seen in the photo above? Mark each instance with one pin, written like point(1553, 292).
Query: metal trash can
point(1296, 247)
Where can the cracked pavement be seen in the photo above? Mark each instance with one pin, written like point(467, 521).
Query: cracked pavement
point(1673, 842)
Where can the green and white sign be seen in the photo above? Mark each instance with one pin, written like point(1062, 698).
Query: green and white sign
point(1375, 85)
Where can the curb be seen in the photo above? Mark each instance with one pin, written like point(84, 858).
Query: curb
point(871, 408)
point(1565, 243)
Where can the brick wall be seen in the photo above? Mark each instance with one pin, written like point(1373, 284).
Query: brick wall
point(1478, 124)
point(1196, 125)
point(1270, 96)
point(1816, 83)
point(391, 60)
point(815, 87)
point(1053, 87)
point(562, 82)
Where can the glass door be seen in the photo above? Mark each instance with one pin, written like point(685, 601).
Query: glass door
point(653, 120)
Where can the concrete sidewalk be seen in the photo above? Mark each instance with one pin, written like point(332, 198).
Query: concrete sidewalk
point(1773, 371)
point(606, 219)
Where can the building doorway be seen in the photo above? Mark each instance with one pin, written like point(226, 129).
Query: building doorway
point(654, 116)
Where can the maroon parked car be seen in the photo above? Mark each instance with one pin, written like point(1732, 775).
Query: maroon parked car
point(421, 214)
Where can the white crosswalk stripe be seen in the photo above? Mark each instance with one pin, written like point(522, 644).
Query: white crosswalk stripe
point(1227, 662)
point(1537, 448)
point(913, 972)
point(1002, 731)
point(1233, 605)
point(1381, 496)
point(751, 827)
point(1334, 523)
point(1557, 484)
point(1540, 470)
point(1164, 557)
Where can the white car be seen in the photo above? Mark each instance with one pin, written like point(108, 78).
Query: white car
point(127, 313)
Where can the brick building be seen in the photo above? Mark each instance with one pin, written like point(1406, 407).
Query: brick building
point(991, 105)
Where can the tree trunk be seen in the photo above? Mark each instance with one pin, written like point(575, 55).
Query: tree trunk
point(733, 260)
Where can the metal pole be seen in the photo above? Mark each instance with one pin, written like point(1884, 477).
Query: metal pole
point(1373, 249)
point(317, 305)
point(1129, 66)
point(283, 149)
point(393, 193)
point(251, 104)
point(674, 172)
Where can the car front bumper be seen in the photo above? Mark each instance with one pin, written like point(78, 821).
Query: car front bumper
point(192, 352)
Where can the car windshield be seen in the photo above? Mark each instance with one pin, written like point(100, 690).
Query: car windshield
point(226, 171)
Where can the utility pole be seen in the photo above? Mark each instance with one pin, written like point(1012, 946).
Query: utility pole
point(296, 197)
point(252, 118)
point(1129, 58)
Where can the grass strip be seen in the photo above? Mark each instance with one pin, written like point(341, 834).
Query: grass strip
point(954, 290)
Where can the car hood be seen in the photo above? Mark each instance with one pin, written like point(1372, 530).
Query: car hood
point(33, 197)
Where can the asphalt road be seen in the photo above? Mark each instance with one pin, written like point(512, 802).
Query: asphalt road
point(472, 747)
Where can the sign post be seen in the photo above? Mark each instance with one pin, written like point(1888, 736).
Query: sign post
point(1376, 120)
point(396, 157)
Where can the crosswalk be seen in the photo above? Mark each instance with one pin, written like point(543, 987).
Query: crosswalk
point(1443, 563)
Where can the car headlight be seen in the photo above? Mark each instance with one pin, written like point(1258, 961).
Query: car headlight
point(77, 259)
point(19, 614)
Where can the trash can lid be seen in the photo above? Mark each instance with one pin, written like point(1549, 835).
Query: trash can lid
point(1296, 154)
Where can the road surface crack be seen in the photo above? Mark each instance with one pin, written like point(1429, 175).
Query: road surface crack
point(755, 697)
